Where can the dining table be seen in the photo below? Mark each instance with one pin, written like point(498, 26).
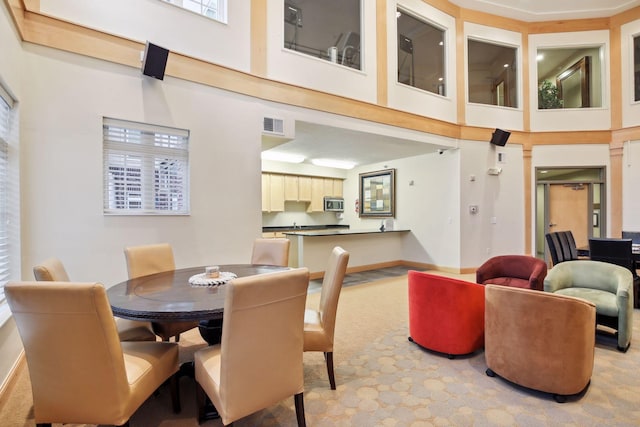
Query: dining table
point(170, 297)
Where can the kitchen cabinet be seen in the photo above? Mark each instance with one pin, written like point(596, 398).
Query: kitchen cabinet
point(291, 188)
point(278, 188)
point(272, 192)
point(304, 188)
point(317, 195)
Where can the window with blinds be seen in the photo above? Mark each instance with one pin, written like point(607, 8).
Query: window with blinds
point(146, 169)
point(214, 9)
point(5, 122)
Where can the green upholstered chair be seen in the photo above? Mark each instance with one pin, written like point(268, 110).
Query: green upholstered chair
point(608, 286)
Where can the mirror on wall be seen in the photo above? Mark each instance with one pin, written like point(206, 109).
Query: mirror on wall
point(569, 77)
point(574, 84)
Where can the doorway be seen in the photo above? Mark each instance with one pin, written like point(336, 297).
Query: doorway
point(569, 199)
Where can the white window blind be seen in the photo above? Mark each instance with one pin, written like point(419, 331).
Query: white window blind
point(214, 9)
point(5, 264)
point(146, 169)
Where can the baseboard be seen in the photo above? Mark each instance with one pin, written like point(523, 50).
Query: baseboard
point(8, 385)
point(417, 265)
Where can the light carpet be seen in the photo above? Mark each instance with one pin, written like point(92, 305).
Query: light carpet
point(384, 380)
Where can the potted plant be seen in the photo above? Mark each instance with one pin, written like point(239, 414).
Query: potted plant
point(548, 96)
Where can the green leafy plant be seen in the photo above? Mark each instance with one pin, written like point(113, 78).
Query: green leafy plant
point(548, 96)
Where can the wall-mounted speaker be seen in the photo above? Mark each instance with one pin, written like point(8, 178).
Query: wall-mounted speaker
point(499, 137)
point(154, 61)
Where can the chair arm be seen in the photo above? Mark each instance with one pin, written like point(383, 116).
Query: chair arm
point(536, 280)
point(559, 277)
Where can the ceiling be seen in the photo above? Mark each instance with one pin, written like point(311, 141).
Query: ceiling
point(315, 141)
point(549, 10)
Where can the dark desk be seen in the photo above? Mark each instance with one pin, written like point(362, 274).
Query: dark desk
point(583, 251)
point(168, 296)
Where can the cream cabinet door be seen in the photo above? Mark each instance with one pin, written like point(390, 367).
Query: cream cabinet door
point(304, 188)
point(276, 195)
point(317, 195)
point(291, 191)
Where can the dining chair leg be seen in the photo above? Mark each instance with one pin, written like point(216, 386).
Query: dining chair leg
point(174, 384)
point(328, 356)
point(201, 401)
point(300, 410)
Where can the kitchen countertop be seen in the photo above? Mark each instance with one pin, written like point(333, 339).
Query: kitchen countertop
point(339, 232)
point(304, 227)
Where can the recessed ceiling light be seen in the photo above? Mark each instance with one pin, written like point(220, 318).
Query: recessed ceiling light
point(331, 163)
point(540, 57)
point(282, 157)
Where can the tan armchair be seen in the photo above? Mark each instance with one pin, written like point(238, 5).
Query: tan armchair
point(150, 259)
point(539, 340)
point(320, 324)
point(52, 270)
point(271, 252)
point(80, 371)
point(259, 361)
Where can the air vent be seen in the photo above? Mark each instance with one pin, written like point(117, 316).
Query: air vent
point(271, 125)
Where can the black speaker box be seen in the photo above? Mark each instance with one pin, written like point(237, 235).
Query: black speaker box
point(154, 61)
point(499, 137)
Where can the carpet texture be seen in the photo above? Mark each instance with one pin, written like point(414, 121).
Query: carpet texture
point(384, 380)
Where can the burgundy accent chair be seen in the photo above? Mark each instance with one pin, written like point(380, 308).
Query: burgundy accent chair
point(446, 315)
point(517, 271)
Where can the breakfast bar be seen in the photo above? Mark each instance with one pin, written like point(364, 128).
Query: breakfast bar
point(369, 249)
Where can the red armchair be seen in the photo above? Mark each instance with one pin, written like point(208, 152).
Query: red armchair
point(517, 271)
point(446, 315)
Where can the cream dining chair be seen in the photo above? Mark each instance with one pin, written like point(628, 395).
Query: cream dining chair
point(320, 324)
point(52, 270)
point(80, 372)
point(143, 260)
point(271, 252)
point(259, 361)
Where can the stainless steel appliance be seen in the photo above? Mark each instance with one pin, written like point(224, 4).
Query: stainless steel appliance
point(333, 204)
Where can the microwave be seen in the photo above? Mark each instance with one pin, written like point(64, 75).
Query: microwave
point(333, 204)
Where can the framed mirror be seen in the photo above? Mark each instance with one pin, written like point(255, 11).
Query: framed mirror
point(573, 84)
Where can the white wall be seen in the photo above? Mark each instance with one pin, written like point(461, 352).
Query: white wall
point(63, 106)
point(159, 22)
point(498, 226)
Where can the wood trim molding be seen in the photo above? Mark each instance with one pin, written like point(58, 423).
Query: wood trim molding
point(382, 52)
point(259, 37)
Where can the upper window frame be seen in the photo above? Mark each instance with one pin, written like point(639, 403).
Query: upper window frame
point(220, 5)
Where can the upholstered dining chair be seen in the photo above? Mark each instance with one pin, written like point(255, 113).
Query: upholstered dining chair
point(608, 286)
point(259, 361)
point(52, 270)
point(143, 260)
point(271, 252)
point(539, 340)
point(80, 372)
point(520, 271)
point(320, 324)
